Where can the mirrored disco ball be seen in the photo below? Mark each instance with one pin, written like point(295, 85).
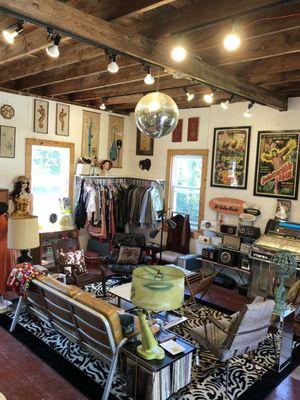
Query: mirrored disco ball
point(156, 114)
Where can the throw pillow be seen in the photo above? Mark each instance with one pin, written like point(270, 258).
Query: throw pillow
point(73, 262)
point(129, 255)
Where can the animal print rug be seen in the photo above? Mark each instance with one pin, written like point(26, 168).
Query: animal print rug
point(208, 376)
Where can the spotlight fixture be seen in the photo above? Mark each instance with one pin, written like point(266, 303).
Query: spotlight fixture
point(112, 67)
point(149, 80)
point(209, 97)
point(53, 50)
point(189, 95)
point(102, 106)
point(232, 41)
point(12, 32)
point(248, 113)
point(225, 104)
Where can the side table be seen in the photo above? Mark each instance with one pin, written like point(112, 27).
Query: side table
point(157, 379)
point(284, 325)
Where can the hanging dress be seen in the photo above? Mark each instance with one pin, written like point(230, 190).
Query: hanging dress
point(7, 257)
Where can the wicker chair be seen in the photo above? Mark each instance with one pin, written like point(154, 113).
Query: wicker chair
point(241, 335)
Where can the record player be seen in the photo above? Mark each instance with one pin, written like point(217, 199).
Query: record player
point(279, 235)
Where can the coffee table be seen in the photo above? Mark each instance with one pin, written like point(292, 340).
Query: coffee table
point(170, 318)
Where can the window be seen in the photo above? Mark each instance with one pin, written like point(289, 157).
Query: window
point(50, 165)
point(186, 176)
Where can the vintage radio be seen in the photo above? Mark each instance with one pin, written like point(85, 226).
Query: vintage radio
point(189, 262)
point(227, 257)
point(252, 232)
point(229, 229)
point(209, 254)
point(245, 248)
point(231, 242)
point(216, 240)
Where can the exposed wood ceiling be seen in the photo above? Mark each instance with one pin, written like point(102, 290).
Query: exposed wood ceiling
point(265, 68)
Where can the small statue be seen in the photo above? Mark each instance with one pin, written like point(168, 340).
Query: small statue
point(21, 197)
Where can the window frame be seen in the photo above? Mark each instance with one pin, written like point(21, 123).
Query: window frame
point(170, 160)
point(51, 143)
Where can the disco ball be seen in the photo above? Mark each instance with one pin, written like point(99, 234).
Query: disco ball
point(156, 114)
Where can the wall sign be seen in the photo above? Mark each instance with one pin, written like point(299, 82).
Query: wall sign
point(177, 133)
point(277, 164)
point(227, 205)
point(193, 127)
point(230, 157)
point(144, 144)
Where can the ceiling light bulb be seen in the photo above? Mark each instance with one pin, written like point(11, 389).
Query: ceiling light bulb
point(52, 50)
point(102, 106)
point(190, 96)
point(232, 41)
point(208, 97)
point(10, 36)
point(225, 104)
point(113, 67)
point(178, 53)
point(149, 80)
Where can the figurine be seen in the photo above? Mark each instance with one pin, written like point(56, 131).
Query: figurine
point(105, 166)
point(21, 197)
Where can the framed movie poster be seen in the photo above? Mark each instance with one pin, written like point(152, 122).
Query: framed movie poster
point(193, 127)
point(277, 164)
point(62, 119)
point(41, 111)
point(144, 144)
point(90, 134)
point(115, 140)
point(177, 133)
point(7, 141)
point(230, 157)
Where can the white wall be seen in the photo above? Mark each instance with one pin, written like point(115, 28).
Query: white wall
point(263, 118)
point(23, 121)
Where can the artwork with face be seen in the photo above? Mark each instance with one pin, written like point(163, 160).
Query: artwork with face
point(115, 140)
point(41, 110)
point(21, 197)
point(90, 134)
point(62, 119)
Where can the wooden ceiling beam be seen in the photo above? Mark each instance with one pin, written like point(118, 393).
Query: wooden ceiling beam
point(6, 21)
point(133, 73)
point(132, 88)
point(93, 30)
point(70, 72)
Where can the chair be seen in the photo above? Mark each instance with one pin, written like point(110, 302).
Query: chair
point(198, 283)
point(241, 335)
point(85, 278)
point(125, 240)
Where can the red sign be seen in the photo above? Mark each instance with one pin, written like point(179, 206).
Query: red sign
point(227, 205)
point(193, 127)
point(177, 133)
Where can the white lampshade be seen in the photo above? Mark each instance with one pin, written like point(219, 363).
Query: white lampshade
point(23, 233)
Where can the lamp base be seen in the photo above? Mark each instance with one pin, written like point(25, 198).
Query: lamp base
point(149, 349)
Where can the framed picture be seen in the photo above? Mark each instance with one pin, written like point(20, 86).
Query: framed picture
point(115, 140)
point(144, 144)
point(193, 127)
point(177, 133)
point(41, 111)
point(7, 141)
point(62, 119)
point(277, 164)
point(230, 157)
point(90, 134)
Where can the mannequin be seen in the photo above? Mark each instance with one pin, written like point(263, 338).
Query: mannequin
point(21, 197)
point(7, 257)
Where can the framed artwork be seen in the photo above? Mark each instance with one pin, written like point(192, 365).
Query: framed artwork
point(277, 164)
point(90, 134)
point(230, 157)
point(177, 133)
point(62, 119)
point(144, 144)
point(193, 127)
point(115, 140)
point(41, 111)
point(7, 141)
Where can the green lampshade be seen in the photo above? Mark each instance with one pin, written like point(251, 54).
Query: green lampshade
point(157, 288)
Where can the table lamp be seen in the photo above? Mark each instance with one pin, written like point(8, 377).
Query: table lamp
point(156, 288)
point(23, 235)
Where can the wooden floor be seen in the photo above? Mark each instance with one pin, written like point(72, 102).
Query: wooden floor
point(24, 376)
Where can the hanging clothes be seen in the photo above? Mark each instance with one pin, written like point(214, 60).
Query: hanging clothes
point(179, 238)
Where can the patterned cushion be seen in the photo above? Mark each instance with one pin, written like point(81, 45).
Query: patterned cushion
point(129, 255)
point(73, 262)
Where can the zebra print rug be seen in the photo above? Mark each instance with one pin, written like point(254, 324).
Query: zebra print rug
point(208, 376)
